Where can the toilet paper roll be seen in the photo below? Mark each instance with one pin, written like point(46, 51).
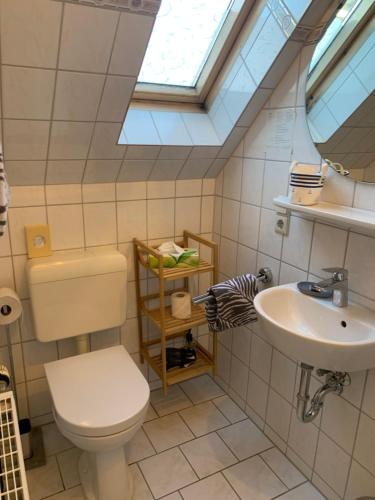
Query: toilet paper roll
point(10, 306)
point(4, 378)
point(181, 305)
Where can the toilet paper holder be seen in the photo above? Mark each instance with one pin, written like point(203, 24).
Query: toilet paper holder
point(264, 275)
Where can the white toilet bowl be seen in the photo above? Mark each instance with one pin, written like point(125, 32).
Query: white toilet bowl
point(100, 401)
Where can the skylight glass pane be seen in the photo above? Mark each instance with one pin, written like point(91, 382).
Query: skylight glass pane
point(341, 18)
point(182, 38)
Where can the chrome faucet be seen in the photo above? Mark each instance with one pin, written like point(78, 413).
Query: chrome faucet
point(337, 284)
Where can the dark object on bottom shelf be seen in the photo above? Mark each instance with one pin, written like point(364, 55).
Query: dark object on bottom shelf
point(180, 357)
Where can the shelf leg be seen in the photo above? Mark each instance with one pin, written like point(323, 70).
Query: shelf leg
point(138, 295)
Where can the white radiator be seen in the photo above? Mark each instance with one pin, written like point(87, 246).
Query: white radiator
point(13, 484)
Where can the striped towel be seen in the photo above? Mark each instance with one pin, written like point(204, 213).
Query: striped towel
point(4, 199)
point(231, 303)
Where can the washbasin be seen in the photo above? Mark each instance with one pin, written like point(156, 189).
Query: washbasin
point(316, 332)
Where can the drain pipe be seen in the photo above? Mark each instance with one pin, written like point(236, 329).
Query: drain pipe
point(334, 383)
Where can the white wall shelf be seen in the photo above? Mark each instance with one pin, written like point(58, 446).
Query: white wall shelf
point(338, 214)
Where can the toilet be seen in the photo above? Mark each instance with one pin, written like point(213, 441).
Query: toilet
point(100, 398)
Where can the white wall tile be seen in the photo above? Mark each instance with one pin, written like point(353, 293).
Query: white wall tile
point(139, 128)
point(207, 214)
point(98, 192)
point(135, 170)
point(25, 173)
point(161, 189)
point(84, 23)
point(18, 219)
point(27, 92)
point(328, 248)
point(275, 182)
point(65, 171)
point(252, 181)
point(246, 260)
point(257, 394)
point(35, 355)
point(131, 220)
point(70, 140)
point(77, 96)
point(233, 179)
point(269, 241)
point(360, 483)
point(66, 225)
point(249, 225)
point(25, 139)
point(227, 257)
point(63, 194)
point(39, 397)
point(303, 439)
point(133, 31)
point(30, 32)
point(99, 171)
point(332, 464)
point(22, 196)
point(361, 249)
point(230, 219)
point(166, 170)
point(363, 451)
point(100, 223)
point(260, 358)
point(191, 187)
point(200, 128)
point(239, 374)
point(171, 128)
point(188, 215)
point(283, 374)
point(116, 96)
point(278, 414)
point(130, 191)
point(160, 218)
point(339, 422)
point(105, 141)
point(297, 245)
point(6, 272)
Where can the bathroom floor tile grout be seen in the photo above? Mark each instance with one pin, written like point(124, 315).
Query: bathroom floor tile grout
point(179, 447)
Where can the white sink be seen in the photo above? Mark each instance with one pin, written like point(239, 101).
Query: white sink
point(316, 332)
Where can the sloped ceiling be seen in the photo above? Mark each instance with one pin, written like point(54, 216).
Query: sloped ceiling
point(68, 70)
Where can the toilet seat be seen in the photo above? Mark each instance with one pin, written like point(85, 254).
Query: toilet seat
point(98, 394)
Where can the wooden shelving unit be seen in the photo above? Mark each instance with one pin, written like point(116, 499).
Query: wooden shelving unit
point(160, 315)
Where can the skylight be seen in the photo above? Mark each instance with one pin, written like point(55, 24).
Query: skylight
point(342, 17)
point(181, 41)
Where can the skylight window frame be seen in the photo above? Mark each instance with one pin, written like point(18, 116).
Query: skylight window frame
point(329, 63)
point(212, 67)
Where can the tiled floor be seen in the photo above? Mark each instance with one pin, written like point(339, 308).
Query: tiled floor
point(196, 444)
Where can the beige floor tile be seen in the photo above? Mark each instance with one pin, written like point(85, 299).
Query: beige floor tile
point(167, 432)
point(208, 455)
point(254, 479)
point(229, 409)
point(211, 488)
point(204, 418)
point(44, 481)
point(54, 441)
point(201, 389)
point(305, 491)
point(151, 414)
point(73, 494)
point(68, 464)
point(173, 496)
point(167, 472)
point(283, 468)
point(175, 400)
point(141, 490)
point(139, 447)
point(245, 439)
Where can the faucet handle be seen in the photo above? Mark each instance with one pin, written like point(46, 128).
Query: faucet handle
point(338, 273)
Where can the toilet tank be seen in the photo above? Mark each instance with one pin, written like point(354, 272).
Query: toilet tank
point(73, 293)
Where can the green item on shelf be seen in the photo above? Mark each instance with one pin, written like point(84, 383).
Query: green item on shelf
point(175, 256)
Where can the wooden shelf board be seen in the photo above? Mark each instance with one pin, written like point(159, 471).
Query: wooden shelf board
point(203, 364)
point(174, 273)
point(173, 325)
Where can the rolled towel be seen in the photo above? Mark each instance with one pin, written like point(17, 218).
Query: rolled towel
point(231, 303)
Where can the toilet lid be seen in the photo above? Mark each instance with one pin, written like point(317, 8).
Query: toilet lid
point(99, 393)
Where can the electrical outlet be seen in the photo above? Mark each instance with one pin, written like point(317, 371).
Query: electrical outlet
point(282, 223)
